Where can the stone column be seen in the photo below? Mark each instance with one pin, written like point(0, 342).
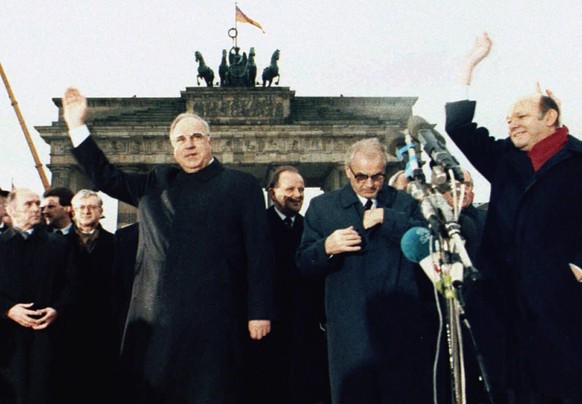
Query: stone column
point(335, 179)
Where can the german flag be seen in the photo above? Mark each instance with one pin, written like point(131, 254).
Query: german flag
point(242, 17)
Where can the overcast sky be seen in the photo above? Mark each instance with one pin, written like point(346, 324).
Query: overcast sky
point(367, 48)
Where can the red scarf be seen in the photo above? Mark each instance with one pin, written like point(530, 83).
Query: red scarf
point(546, 148)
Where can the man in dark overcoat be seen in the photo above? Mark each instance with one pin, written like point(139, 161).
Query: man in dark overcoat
point(204, 271)
point(94, 328)
point(531, 244)
point(290, 364)
point(381, 317)
point(37, 292)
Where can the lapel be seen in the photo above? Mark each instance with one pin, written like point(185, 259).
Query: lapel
point(352, 206)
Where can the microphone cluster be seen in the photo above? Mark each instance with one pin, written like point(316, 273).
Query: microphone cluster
point(448, 243)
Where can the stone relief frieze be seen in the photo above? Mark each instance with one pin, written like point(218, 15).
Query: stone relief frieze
point(239, 108)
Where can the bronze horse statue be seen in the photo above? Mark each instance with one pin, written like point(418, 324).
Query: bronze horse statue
point(204, 72)
point(272, 71)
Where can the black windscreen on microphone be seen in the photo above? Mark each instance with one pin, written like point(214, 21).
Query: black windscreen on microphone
point(416, 123)
point(439, 153)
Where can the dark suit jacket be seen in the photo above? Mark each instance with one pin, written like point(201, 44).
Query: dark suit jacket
point(289, 364)
point(381, 319)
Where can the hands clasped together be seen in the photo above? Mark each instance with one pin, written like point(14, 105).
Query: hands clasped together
point(35, 319)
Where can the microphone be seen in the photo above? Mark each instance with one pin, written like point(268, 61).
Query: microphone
point(416, 123)
point(437, 212)
point(434, 145)
point(442, 220)
point(406, 151)
point(415, 245)
point(439, 153)
point(412, 169)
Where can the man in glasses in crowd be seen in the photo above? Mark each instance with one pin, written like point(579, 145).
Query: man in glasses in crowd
point(204, 272)
point(381, 324)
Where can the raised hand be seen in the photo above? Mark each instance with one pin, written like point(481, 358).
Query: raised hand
point(74, 108)
point(476, 54)
point(549, 93)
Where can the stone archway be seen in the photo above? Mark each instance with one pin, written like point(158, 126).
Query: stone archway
point(253, 129)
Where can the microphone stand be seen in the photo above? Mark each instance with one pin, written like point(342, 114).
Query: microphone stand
point(454, 265)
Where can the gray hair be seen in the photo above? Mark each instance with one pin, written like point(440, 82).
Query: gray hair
point(12, 196)
point(371, 148)
point(85, 194)
point(192, 115)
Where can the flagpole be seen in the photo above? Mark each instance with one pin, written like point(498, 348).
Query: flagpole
point(37, 162)
point(235, 25)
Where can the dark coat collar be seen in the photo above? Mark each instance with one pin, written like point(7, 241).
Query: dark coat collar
point(38, 233)
point(204, 175)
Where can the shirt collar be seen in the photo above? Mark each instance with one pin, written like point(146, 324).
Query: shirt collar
point(24, 233)
point(283, 216)
point(65, 230)
point(364, 200)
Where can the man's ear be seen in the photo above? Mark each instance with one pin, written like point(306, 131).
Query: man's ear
point(347, 171)
point(551, 117)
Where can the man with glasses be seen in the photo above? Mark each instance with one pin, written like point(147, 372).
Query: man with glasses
point(204, 268)
point(94, 342)
point(381, 323)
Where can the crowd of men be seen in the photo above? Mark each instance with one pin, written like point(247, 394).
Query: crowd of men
point(211, 298)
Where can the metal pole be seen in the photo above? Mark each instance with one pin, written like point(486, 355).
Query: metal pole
point(37, 162)
point(235, 25)
point(454, 337)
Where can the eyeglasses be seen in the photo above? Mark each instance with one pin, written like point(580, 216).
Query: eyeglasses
point(88, 207)
point(364, 177)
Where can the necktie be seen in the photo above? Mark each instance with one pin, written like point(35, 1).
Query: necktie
point(288, 222)
point(368, 204)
